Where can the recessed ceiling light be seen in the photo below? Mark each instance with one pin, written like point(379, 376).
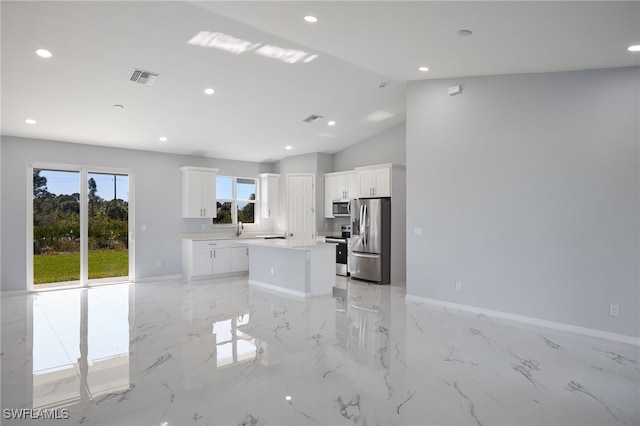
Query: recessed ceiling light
point(118, 106)
point(331, 123)
point(288, 398)
point(288, 147)
point(311, 19)
point(209, 91)
point(464, 33)
point(634, 48)
point(30, 121)
point(44, 53)
point(163, 138)
point(423, 69)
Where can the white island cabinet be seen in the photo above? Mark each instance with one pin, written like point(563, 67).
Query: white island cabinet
point(288, 267)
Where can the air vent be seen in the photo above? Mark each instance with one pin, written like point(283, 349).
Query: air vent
point(311, 118)
point(144, 77)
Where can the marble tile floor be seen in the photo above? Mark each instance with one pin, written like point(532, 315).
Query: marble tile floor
point(221, 352)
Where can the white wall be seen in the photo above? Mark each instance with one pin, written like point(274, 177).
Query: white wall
point(158, 199)
point(527, 191)
point(388, 146)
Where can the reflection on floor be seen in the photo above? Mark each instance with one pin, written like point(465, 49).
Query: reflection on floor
point(224, 353)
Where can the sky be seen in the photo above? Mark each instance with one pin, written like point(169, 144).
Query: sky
point(68, 182)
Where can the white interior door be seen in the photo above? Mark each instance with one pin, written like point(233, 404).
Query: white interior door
point(301, 224)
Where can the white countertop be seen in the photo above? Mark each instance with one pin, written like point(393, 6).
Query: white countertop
point(205, 236)
point(290, 244)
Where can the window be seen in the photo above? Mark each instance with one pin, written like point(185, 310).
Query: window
point(236, 200)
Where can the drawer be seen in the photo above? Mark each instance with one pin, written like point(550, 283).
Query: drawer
point(211, 244)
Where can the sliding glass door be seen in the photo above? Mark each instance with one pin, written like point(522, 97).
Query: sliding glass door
point(108, 220)
point(56, 228)
point(80, 227)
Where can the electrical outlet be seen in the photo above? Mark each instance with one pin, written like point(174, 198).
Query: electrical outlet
point(458, 285)
point(614, 310)
point(143, 227)
point(158, 264)
point(417, 232)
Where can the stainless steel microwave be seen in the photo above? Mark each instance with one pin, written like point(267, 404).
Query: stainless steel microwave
point(341, 208)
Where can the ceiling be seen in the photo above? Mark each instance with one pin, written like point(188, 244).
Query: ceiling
point(261, 100)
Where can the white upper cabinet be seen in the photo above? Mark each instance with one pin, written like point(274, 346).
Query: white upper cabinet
point(198, 192)
point(269, 194)
point(375, 181)
point(347, 186)
point(339, 186)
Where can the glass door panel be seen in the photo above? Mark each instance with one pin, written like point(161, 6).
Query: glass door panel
point(108, 227)
point(56, 228)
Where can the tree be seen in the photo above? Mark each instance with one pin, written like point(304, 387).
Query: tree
point(93, 197)
point(39, 185)
point(116, 210)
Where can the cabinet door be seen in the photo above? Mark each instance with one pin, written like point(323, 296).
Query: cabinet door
point(341, 187)
point(367, 183)
point(383, 183)
point(352, 185)
point(202, 259)
point(239, 259)
point(274, 196)
point(269, 196)
point(329, 195)
point(221, 260)
point(209, 208)
point(191, 194)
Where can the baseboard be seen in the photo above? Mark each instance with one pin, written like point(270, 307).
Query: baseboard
point(158, 278)
point(528, 320)
point(11, 293)
point(277, 289)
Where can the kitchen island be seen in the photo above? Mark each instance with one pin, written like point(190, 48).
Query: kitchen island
point(292, 267)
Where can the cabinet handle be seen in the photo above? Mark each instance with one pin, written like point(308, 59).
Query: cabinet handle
point(214, 254)
point(210, 254)
point(205, 212)
point(247, 251)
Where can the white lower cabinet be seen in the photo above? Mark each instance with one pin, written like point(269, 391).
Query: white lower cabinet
point(201, 259)
point(240, 259)
point(221, 261)
point(204, 259)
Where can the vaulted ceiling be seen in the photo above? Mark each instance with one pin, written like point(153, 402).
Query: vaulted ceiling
point(271, 69)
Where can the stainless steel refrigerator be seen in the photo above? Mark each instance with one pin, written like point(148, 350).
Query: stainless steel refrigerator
point(371, 239)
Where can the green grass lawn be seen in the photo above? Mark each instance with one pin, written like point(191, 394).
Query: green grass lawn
point(53, 268)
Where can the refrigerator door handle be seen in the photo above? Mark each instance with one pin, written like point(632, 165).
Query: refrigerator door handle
point(368, 256)
point(365, 237)
point(362, 223)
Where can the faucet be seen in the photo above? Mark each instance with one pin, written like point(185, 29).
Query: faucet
point(240, 228)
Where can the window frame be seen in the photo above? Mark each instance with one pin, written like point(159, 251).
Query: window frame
point(235, 200)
